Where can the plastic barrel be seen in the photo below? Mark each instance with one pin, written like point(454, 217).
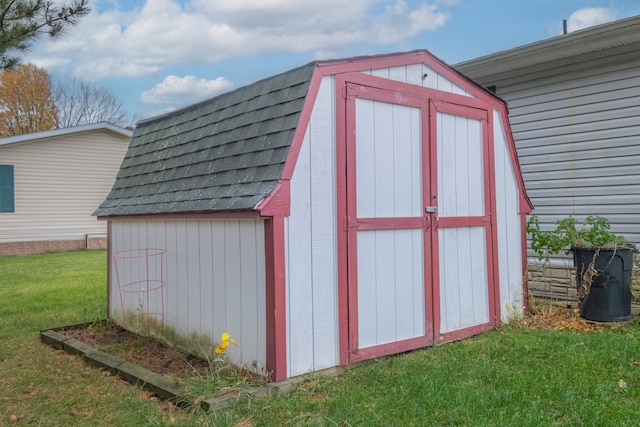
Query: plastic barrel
point(609, 297)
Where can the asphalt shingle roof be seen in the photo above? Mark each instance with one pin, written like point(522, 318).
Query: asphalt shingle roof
point(226, 153)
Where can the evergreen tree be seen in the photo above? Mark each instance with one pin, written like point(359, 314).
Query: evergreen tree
point(22, 21)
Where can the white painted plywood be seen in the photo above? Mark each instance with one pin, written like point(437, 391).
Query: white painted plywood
point(215, 281)
point(464, 297)
point(508, 225)
point(390, 286)
point(419, 75)
point(311, 245)
point(460, 166)
point(388, 152)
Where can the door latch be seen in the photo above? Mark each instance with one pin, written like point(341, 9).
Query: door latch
point(431, 209)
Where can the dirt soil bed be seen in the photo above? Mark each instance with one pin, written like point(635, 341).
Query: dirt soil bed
point(143, 351)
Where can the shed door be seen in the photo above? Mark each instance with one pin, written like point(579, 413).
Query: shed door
point(418, 219)
point(389, 239)
point(466, 286)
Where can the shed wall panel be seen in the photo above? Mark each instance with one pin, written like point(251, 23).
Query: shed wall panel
point(464, 297)
point(419, 75)
point(460, 167)
point(59, 182)
point(508, 224)
point(215, 282)
point(390, 151)
point(311, 247)
point(390, 286)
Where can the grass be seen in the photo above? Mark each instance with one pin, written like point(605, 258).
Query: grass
point(511, 376)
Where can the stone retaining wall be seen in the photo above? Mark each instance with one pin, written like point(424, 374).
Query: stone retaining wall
point(558, 282)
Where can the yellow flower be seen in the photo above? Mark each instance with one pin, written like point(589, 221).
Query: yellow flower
point(224, 342)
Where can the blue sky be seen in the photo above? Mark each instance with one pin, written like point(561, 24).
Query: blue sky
point(158, 55)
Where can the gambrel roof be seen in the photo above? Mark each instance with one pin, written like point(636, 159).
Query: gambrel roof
point(226, 153)
point(234, 152)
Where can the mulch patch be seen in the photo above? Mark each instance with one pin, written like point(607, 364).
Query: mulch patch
point(141, 350)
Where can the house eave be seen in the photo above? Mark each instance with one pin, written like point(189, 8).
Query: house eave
point(602, 37)
point(54, 133)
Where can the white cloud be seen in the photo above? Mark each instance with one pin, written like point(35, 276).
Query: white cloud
point(182, 90)
point(399, 22)
point(588, 17)
point(112, 42)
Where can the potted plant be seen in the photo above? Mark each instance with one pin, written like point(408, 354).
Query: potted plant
point(603, 262)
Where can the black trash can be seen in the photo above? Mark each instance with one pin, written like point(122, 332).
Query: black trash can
point(609, 297)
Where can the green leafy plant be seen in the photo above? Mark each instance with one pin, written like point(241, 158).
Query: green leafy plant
point(592, 232)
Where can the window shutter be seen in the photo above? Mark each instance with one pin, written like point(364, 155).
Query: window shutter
point(6, 189)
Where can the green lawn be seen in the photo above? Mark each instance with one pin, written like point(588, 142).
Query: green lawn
point(510, 377)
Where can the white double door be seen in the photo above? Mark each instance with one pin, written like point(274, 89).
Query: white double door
point(419, 225)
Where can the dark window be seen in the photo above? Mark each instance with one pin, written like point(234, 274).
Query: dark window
point(6, 189)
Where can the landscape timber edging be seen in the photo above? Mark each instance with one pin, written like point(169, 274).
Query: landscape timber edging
point(163, 386)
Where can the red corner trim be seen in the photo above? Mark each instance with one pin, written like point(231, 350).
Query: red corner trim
point(278, 203)
point(109, 237)
point(303, 123)
point(276, 321)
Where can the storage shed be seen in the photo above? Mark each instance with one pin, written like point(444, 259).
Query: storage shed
point(337, 212)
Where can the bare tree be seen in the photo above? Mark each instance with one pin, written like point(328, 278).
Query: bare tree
point(79, 103)
point(22, 21)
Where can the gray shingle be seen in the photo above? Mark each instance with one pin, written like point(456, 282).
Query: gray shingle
point(226, 153)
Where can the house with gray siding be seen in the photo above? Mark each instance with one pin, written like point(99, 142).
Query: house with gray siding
point(336, 212)
point(51, 182)
point(574, 103)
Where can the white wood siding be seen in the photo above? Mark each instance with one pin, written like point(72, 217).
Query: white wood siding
point(390, 286)
point(215, 281)
point(389, 184)
point(311, 245)
point(389, 156)
point(464, 289)
point(419, 75)
point(508, 223)
point(460, 166)
point(462, 251)
point(59, 182)
point(576, 128)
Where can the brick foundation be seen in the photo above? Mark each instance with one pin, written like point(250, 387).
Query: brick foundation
point(27, 248)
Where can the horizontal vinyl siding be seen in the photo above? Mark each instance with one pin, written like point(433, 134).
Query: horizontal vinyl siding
point(59, 182)
point(578, 138)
